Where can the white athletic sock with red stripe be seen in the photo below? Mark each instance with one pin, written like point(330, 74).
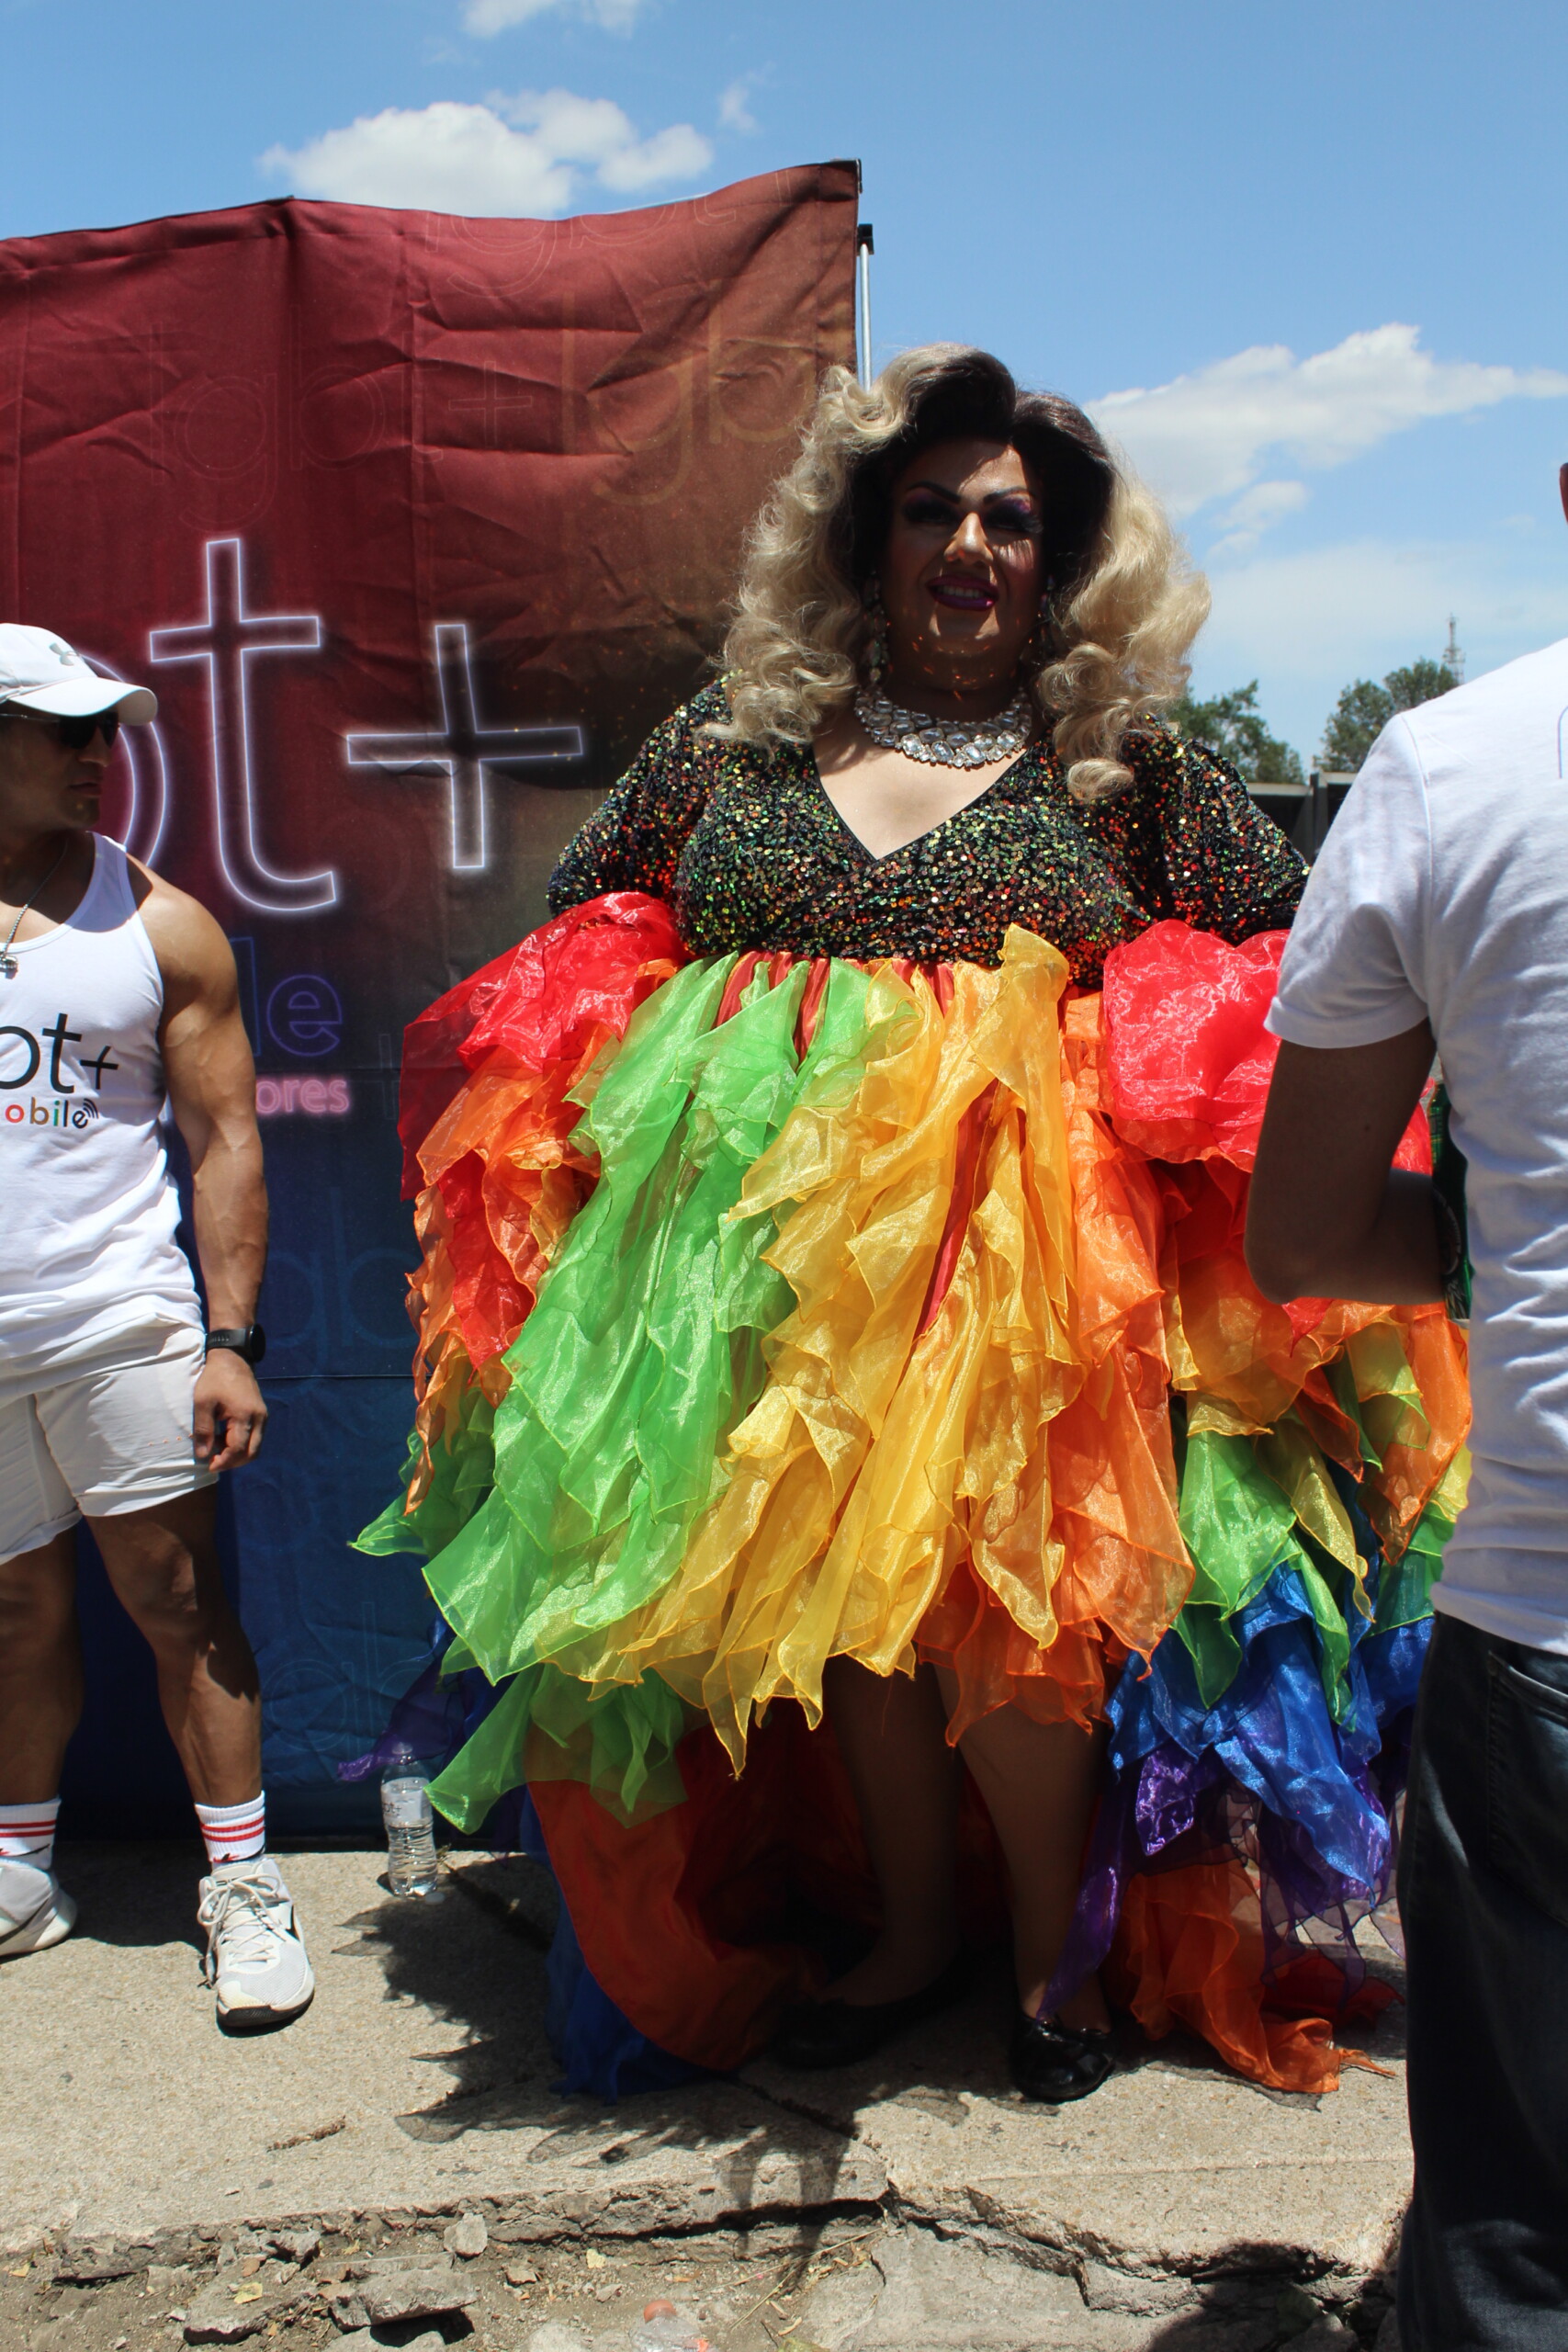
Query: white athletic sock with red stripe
point(26, 1833)
point(234, 1833)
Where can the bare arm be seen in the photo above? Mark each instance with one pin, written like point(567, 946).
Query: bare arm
point(1330, 1216)
point(212, 1091)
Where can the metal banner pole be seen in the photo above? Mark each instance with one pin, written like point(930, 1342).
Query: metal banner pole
point(865, 245)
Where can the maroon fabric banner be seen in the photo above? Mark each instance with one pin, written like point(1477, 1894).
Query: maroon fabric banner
point(355, 489)
point(416, 525)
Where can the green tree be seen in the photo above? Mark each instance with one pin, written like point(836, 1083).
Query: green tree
point(1362, 713)
point(1233, 724)
point(1363, 710)
point(1419, 682)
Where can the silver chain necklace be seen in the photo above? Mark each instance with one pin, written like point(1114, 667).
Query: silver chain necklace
point(944, 742)
point(9, 966)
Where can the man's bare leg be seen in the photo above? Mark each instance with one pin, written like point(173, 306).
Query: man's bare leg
point(163, 1564)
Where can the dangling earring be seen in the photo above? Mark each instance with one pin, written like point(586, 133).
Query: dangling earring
point(876, 644)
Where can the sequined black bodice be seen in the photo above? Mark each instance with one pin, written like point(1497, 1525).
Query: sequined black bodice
point(751, 853)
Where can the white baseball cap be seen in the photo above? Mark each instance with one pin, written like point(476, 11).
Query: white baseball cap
point(39, 672)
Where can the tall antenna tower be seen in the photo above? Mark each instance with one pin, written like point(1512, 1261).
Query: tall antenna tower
point(1453, 654)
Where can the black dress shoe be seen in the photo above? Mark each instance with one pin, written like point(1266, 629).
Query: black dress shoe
point(1053, 2061)
point(839, 2033)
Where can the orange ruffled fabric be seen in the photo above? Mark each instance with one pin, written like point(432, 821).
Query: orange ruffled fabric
point(695, 1914)
point(1113, 1476)
point(1185, 1071)
point(1185, 1065)
point(1189, 1951)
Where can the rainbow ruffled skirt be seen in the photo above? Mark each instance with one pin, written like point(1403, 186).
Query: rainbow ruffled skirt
point(773, 1309)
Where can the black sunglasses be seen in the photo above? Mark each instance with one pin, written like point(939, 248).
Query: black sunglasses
point(75, 734)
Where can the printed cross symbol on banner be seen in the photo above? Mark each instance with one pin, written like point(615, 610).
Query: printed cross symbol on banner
point(228, 637)
point(463, 751)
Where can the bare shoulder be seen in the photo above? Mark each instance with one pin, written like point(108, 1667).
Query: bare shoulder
point(193, 954)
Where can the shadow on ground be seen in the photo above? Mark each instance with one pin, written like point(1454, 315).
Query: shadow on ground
point(476, 1960)
point(136, 1897)
point(1258, 2300)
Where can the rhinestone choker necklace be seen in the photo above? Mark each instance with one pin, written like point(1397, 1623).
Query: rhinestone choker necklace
point(944, 742)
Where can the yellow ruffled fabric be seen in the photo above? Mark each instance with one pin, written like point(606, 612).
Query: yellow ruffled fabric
point(892, 1443)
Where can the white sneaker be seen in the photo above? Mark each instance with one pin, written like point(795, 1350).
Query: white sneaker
point(34, 1912)
point(255, 1957)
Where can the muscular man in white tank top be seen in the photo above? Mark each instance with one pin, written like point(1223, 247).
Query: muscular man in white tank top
point(118, 1003)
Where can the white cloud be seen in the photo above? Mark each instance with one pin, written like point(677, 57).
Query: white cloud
point(1211, 434)
point(512, 155)
point(1256, 511)
point(441, 158)
point(734, 113)
point(596, 132)
point(677, 154)
point(1363, 605)
point(488, 18)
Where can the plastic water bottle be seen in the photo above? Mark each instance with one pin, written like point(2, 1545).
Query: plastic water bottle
point(410, 1825)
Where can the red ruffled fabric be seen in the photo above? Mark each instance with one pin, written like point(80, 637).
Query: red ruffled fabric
point(580, 975)
point(694, 1921)
point(1187, 1057)
point(493, 1074)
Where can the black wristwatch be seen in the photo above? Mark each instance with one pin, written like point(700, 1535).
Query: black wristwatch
point(247, 1339)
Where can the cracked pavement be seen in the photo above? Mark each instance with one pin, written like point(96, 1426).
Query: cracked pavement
point(914, 2204)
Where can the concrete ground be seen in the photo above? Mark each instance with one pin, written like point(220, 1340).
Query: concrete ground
point(395, 2168)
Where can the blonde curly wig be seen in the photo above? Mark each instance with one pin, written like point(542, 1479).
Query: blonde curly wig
point(1124, 609)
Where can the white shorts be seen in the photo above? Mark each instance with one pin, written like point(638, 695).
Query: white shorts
point(107, 1431)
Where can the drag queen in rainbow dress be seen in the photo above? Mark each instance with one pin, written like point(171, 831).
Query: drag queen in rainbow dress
point(874, 1510)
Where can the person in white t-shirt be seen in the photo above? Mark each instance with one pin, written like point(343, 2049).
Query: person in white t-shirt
point(1436, 921)
point(119, 1003)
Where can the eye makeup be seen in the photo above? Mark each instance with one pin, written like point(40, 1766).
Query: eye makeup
point(1008, 517)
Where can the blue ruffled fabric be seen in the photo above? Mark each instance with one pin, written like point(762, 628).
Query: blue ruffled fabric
point(1265, 1772)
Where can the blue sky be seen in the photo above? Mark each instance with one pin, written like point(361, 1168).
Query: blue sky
point(1304, 261)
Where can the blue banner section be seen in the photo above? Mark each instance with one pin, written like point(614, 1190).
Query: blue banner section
point(337, 1637)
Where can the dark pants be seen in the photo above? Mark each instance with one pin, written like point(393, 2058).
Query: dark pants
point(1483, 1896)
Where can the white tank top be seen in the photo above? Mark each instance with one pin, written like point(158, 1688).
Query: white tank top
point(87, 1203)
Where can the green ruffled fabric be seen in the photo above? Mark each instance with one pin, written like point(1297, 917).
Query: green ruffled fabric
point(644, 1350)
point(462, 1473)
point(1405, 1590)
point(621, 1739)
